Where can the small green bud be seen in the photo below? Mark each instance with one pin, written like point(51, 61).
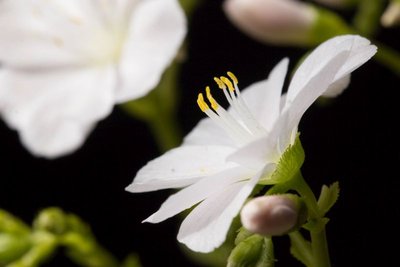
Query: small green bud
point(52, 220)
point(273, 215)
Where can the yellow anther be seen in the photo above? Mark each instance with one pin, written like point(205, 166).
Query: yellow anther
point(221, 85)
point(233, 77)
point(228, 83)
point(210, 98)
point(202, 104)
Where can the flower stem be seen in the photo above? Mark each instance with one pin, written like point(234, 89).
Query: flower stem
point(319, 244)
point(388, 57)
point(319, 247)
point(366, 20)
point(166, 131)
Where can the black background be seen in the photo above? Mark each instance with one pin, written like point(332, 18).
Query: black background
point(354, 140)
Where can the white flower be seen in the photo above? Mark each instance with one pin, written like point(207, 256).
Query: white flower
point(65, 63)
point(225, 155)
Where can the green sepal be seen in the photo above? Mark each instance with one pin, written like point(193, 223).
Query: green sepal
point(288, 165)
point(254, 251)
point(243, 234)
point(328, 197)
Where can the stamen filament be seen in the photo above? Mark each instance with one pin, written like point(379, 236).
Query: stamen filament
point(241, 125)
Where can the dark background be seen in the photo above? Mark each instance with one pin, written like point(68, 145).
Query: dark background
point(354, 140)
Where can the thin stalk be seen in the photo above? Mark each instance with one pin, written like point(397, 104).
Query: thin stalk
point(166, 131)
point(388, 57)
point(319, 244)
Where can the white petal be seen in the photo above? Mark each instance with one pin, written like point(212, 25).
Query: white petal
point(206, 132)
point(53, 33)
point(197, 192)
point(55, 110)
point(156, 31)
point(314, 88)
point(322, 55)
point(263, 98)
point(206, 227)
point(257, 153)
point(337, 87)
point(180, 167)
point(361, 51)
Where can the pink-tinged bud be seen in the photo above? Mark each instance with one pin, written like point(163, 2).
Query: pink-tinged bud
point(391, 16)
point(272, 215)
point(272, 21)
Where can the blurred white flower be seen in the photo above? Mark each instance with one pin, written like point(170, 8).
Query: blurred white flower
point(226, 155)
point(272, 21)
point(66, 63)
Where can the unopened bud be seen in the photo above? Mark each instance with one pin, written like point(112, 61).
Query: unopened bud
point(285, 22)
point(391, 16)
point(273, 215)
point(272, 21)
point(51, 220)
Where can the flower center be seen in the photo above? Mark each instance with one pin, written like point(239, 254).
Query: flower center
point(237, 122)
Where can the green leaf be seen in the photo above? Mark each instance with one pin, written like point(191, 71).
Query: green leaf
point(288, 166)
point(328, 197)
point(254, 251)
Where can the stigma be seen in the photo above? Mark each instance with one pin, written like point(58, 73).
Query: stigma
point(238, 121)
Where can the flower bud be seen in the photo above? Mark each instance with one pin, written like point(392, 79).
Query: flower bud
point(284, 22)
point(272, 21)
point(391, 16)
point(51, 220)
point(273, 215)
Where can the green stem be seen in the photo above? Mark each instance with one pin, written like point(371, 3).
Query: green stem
point(302, 246)
point(366, 20)
point(388, 57)
point(165, 130)
point(319, 247)
point(85, 251)
point(319, 244)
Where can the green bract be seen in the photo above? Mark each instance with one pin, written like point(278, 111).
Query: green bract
point(254, 251)
point(289, 164)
